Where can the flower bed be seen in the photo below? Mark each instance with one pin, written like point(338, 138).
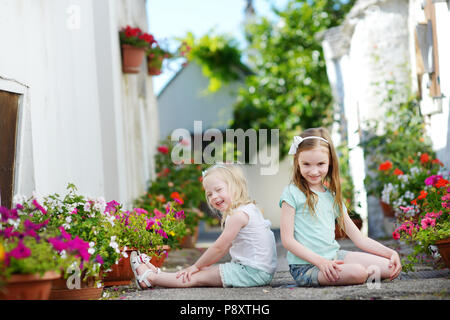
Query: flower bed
point(76, 235)
point(429, 222)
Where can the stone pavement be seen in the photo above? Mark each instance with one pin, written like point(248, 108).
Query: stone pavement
point(424, 284)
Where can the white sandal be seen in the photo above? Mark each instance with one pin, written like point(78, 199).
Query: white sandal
point(135, 261)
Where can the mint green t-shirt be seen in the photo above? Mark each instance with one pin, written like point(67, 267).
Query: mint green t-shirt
point(314, 231)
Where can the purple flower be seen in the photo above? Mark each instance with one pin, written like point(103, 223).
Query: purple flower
point(140, 211)
point(39, 207)
point(9, 233)
point(64, 234)
point(111, 206)
point(432, 180)
point(162, 233)
point(20, 252)
point(58, 244)
point(150, 223)
point(179, 215)
point(99, 259)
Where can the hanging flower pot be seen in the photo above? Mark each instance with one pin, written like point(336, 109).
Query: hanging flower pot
point(133, 42)
point(28, 286)
point(132, 58)
point(155, 58)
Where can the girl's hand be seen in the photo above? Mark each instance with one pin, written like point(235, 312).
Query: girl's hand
point(395, 265)
point(187, 273)
point(330, 269)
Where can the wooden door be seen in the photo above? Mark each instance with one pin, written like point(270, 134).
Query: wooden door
point(8, 135)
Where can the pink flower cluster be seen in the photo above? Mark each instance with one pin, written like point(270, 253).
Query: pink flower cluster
point(76, 245)
point(428, 221)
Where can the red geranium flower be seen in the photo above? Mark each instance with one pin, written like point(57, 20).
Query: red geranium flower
point(424, 158)
point(163, 149)
point(385, 166)
point(398, 172)
point(423, 195)
point(441, 183)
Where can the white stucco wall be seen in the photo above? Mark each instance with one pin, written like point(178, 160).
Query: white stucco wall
point(184, 100)
point(377, 45)
point(437, 110)
point(82, 120)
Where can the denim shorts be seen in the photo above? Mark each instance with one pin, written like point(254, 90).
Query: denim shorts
point(307, 275)
point(234, 274)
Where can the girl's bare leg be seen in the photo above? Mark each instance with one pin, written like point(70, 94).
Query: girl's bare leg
point(357, 267)
point(371, 262)
point(207, 277)
point(349, 275)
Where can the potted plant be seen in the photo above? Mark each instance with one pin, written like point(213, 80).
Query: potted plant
point(134, 43)
point(393, 147)
point(147, 233)
point(155, 58)
point(30, 257)
point(87, 221)
point(403, 187)
point(432, 225)
point(181, 182)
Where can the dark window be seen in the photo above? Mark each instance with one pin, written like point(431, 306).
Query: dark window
point(8, 133)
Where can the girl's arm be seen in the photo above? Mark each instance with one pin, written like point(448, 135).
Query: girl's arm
point(365, 243)
point(371, 246)
point(328, 267)
point(220, 247)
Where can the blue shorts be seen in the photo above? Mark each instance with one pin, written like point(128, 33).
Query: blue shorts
point(234, 274)
point(307, 275)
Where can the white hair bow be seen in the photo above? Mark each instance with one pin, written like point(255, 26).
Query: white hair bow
point(298, 140)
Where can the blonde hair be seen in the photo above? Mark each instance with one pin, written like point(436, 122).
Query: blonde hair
point(234, 177)
point(332, 176)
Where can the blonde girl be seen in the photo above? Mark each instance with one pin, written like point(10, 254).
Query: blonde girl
point(246, 235)
point(309, 211)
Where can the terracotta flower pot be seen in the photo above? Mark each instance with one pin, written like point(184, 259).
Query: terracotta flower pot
point(121, 273)
point(189, 241)
point(159, 261)
point(87, 290)
point(444, 250)
point(28, 286)
point(388, 211)
point(154, 66)
point(132, 58)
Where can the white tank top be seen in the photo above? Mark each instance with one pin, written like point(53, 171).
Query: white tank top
point(254, 245)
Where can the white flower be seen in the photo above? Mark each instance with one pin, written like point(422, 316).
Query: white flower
point(19, 198)
point(87, 206)
point(124, 252)
point(113, 244)
point(14, 223)
point(66, 226)
point(68, 219)
point(415, 170)
point(91, 249)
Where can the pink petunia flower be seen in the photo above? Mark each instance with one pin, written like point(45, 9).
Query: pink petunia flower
point(39, 207)
point(427, 222)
